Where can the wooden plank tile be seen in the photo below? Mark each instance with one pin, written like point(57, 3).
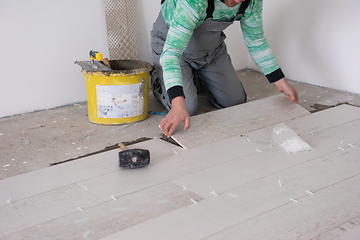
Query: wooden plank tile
point(250, 167)
point(345, 135)
point(319, 173)
point(263, 196)
point(310, 217)
point(169, 168)
point(347, 231)
point(244, 179)
point(323, 120)
point(221, 124)
point(229, 214)
point(36, 182)
point(9, 223)
point(197, 221)
point(309, 124)
point(270, 160)
point(112, 216)
point(125, 181)
point(316, 175)
point(227, 149)
point(47, 179)
point(149, 230)
point(47, 206)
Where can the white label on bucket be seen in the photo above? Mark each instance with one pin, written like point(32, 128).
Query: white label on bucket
point(120, 101)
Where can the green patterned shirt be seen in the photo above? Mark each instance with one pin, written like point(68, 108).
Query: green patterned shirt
point(183, 16)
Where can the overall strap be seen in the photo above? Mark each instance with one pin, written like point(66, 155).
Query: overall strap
point(210, 9)
point(243, 7)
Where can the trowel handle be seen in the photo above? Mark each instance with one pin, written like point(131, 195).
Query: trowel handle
point(122, 146)
point(106, 62)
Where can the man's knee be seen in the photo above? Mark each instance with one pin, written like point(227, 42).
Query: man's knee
point(191, 105)
point(192, 110)
point(234, 100)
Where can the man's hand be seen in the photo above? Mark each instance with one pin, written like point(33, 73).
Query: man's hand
point(176, 115)
point(283, 86)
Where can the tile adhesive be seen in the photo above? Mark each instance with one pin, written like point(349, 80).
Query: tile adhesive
point(118, 94)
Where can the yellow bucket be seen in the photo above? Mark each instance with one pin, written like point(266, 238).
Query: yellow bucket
point(119, 96)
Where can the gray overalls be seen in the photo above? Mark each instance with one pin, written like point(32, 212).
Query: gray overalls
point(206, 57)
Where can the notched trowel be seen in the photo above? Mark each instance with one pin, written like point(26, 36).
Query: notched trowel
point(133, 158)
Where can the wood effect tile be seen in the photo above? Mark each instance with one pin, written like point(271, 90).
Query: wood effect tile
point(199, 220)
point(270, 160)
point(244, 169)
point(47, 179)
point(227, 149)
point(228, 217)
point(319, 173)
point(323, 120)
point(224, 123)
point(345, 134)
point(149, 230)
point(310, 217)
point(114, 215)
point(309, 124)
point(50, 205)
point(347, 231)
point(168, 168)
point(36, 182)
point(125, 181)
point(315, 175)
point(174, 225)
point(9, 223)
point(235, 204)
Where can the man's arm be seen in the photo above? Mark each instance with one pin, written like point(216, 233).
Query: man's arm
point(182, 20)
point(260, 51)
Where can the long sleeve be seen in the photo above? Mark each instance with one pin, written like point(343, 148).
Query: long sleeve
point(182, 19)
point(259, 49)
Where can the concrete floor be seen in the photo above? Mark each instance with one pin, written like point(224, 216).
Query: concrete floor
point(40, 139)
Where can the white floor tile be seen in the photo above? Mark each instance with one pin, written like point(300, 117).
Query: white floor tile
point(50, 205)
point(112, 216)
point(219, 190)
point(47, 179)
point(224, 123)
point(307, 219)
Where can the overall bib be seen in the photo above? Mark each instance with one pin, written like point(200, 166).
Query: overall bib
point(206, 57)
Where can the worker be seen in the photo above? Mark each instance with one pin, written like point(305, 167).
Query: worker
point(187, 42)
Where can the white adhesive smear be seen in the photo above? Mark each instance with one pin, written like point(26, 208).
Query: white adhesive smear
point(288, 139)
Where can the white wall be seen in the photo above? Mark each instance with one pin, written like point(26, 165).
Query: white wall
point(147, 12)
point(236, 46)
point(316, 42)
point(40, 40)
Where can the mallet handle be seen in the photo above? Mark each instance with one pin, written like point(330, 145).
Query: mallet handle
point(122, 146)
point(106, 62)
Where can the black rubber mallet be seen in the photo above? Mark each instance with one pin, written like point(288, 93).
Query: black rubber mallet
point(133, 158)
